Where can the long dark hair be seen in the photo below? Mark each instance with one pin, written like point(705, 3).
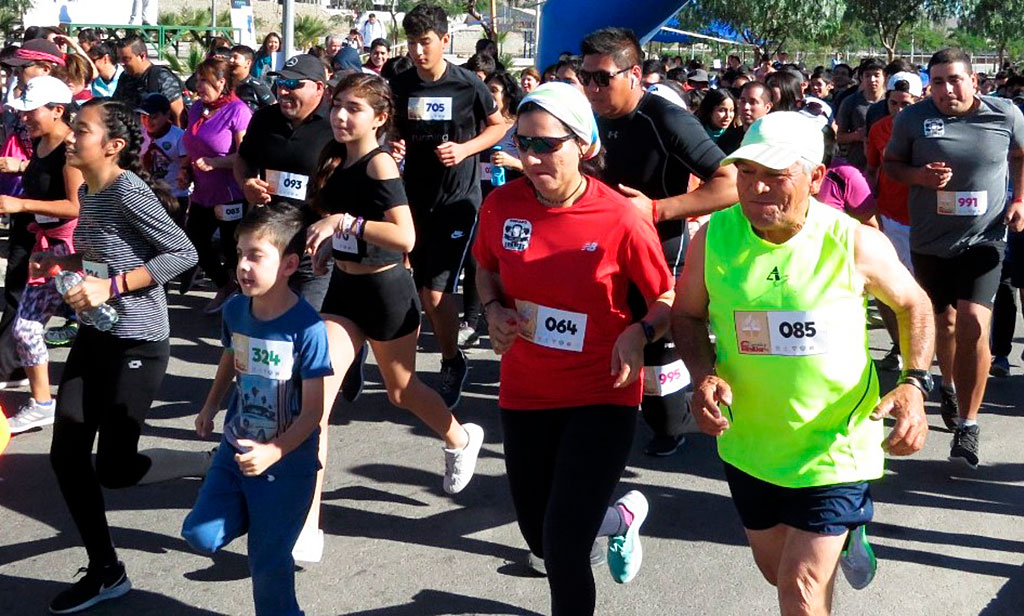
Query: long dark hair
point(712, 99)
point(262, 52)
point(121, 122)
point(513, 91)
point(378, 95)
point(788, 85)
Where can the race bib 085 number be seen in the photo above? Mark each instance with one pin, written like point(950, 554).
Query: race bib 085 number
point(781, 333)
point(552, 328)
point(288, 185)
point(271, 359)
point(665, 380)
point(430, 108)
point(228, 212)
point(962, 203)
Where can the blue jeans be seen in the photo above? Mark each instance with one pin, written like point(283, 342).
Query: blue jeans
point(271, 508)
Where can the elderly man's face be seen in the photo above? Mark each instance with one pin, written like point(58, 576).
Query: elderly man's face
point(775, 201)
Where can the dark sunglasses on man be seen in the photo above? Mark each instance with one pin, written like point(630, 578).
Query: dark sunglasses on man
point(290, 84)
point(540, 145)
point(601, 78)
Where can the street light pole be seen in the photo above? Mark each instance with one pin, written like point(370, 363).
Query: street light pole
point(288, 28)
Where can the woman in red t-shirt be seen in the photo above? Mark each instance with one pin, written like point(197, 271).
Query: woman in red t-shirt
point(557, 252)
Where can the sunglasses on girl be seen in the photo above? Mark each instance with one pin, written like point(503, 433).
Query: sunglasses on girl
point(541, 145)
point(601, 78)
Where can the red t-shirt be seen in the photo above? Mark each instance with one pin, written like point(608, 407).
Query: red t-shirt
point(575, 264)
point(892, 196)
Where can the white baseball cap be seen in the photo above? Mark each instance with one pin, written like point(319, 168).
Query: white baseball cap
point(780, 139)
point(39, 91)
point(913, 82)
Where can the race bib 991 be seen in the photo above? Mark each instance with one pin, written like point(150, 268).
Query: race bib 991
point(962, 203)
point(780, 333)
point(271, 359)
point(430, 108)
point(552, 328)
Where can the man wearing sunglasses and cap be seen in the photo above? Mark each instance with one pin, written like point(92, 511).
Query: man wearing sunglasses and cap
point(652, 148)
point(788, 388)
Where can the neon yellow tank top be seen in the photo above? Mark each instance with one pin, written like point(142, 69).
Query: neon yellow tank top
point(791, 338)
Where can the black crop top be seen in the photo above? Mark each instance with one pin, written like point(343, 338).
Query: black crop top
point(352, 191)
point(43, 180)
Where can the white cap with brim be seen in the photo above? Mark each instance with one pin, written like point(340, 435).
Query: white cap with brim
point(780, 139)
point(39, 91)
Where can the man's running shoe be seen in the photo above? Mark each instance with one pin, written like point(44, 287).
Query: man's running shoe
point(536, 563)
point(61, 336)
point(950, 408)
point(1000, 367)
point(892, 362)
point(858, 559)
point(453, 377)
point(98, 584)
point(32, 415)
point(663, 445)
point(965, 445)
point(460, 464)
point(352, 384)
point(468, 336)
point(625, 554)
point(309, 547)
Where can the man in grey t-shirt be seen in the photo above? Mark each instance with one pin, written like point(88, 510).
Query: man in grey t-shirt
point(851, 117)
point(956, 151)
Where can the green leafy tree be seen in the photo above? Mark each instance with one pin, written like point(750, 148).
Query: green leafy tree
point(310, 30)
point(11, 12)
point(999, 22)
point(891, 19)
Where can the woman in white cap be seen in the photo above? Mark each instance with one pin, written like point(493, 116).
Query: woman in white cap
point(556, 252)
point(51, 197)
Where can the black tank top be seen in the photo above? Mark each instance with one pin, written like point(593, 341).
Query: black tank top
point(43, 180)
point(351, 190)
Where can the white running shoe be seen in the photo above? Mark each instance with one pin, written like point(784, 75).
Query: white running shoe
point(625, 554)
point(32, 415)
point(459, 464)
point(309, 547)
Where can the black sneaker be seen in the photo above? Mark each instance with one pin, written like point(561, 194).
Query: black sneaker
point(98, 584)
point(352, 384)
point(663, 445)
point(453, 377)
point(965, 445)
point(950, 408)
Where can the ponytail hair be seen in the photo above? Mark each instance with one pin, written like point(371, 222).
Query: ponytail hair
point(121, 122)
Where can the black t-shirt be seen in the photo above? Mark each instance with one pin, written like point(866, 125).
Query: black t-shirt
point(429, 113)
point(157, 79)
point(284, 156)
point(254, 93)
point(655, 149)
point(353, 191)
point(43, 179)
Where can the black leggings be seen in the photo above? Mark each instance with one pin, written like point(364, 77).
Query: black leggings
point(202, 222)
point(107, 387)
point(563, 466)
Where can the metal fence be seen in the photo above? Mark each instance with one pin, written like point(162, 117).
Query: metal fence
point(162, 37)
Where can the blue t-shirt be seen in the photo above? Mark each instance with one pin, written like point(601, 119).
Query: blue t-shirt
point(271, 360)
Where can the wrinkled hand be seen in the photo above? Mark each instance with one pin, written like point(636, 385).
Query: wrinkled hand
point(503, 325)
point(1014, 217)
point(934, 175)
point(11, 205)
point(256, 191)
point(258, 459)
point(628, 355)
point(906, 404)
point(202, 164)
point(398, 150)
point(640, 200)
point(707, 395)
point(91, 293)
point(204, 422)
point(451, 153)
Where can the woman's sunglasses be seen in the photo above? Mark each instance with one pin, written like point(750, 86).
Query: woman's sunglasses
point(541, 145)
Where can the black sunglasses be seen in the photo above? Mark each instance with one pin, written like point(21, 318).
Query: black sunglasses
point(289, 84)
point(601, 78)
point(541, 145)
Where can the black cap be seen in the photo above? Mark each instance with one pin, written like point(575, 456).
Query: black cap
point(302, 66)
point(154, 103)
point(698, 76)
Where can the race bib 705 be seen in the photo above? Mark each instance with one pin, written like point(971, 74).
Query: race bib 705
point(428, 108)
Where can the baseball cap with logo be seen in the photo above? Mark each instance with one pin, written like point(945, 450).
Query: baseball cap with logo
point(39, 91)
point(780, 139)
point(914, 86)
point(36, 50)
point(302, 66)
point(154, 103)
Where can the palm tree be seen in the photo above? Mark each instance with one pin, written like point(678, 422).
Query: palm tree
point(310, 30)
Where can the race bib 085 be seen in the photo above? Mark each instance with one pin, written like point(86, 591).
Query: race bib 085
point(228, 212)
point(962, 203)
point(430, 108)
point(781, 333)
point(552, 328)
point(271, 359)
point(287, 185)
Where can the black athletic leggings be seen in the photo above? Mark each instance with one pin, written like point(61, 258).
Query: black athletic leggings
point(563, 466)
point(202, 222)
point(107, 387)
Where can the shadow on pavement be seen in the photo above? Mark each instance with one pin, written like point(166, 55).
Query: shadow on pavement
point(20, 595)
point(1009, 599)
point(439, 603)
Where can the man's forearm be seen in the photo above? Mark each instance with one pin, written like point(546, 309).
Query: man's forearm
point(717, 194)
point(917, 334)
point(1017, 175)
point(694, 345)
point(900, 171)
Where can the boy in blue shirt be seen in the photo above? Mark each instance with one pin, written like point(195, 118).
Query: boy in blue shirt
point(262, 477)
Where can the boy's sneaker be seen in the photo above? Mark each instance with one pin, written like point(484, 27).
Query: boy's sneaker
point(892, 362)
point(949, 408)
point(858, 559)
point(453, 377)
point(965, 445)
point(468, 336)
point(62, 336)
point(459, 464)
point(309, 547)
point(664, 445)
point(32, 415)
point(1000, 367)
point(352, 384)
point(625, 554)
point(98, 584)
point(536, 563)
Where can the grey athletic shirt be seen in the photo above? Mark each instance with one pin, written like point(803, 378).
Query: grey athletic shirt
point(969, 210)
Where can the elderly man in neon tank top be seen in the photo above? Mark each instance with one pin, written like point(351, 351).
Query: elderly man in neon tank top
point(781, 279)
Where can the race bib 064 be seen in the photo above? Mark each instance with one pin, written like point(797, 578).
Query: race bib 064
point(271, 359)
point(430, 108)
point(962, 203)
point(287, 185)
point(663, 381)
point(781, 333)
point(552, 328)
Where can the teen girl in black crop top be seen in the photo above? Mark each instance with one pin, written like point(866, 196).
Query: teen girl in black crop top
point(368, 228)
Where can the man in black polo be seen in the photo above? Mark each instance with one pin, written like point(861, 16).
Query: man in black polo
point(141, 78)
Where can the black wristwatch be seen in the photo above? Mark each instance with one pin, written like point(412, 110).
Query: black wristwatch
point(920, 379)
point(648, 331)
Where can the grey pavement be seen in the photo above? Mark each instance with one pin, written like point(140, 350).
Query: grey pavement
point(950, 540)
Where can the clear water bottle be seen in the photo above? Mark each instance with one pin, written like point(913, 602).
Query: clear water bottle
point(102, 317)
point(497, 172)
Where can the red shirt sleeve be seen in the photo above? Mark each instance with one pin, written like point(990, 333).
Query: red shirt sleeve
point(483, 246)
point(643, 258)
point(876, 145)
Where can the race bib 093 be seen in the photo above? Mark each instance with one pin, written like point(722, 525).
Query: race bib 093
point(781, 333)
point(552, 328)
point(271, 359)
point(287, 185)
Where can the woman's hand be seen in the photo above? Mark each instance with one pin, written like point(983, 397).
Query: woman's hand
point(320, 231)
point(204, 422)
point(11, 205)
point(502, 159)
point(203, 164)
point(88, 295)
point(628, 355)
point(10, 164)
point(256, 191)
point(503, 325)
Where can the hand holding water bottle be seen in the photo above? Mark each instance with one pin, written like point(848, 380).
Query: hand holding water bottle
point(87, 296)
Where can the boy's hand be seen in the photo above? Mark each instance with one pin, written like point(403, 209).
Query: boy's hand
point(258, 459)
point(451, 153)
point(204, 422)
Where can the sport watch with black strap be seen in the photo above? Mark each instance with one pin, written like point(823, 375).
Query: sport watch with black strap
point(649, 332)
point(920, 379)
